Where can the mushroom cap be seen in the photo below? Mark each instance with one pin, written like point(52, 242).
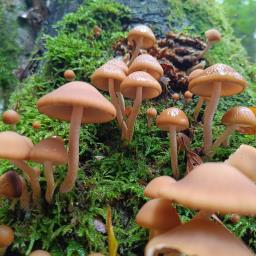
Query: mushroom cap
point(50, 149)
point(158, 214)
point(69, 75)
point(119, 63)
point(14, 146)
point(198, 237)
point(231, 81)
point(248, 130)
point(244, 160)
point(172, 117)
point(152, 112)
point(153, 188)
point(6, 236)
point(195, 73)
point(188, 95)
point(10, 185)
point(100, 78)
point(39, 253)
point(36, 125)
point(241, 116)
point(144, 32)
point(214, 187)
point(213, 35)
point(11, 117)
point(150, 87)
point(147, 63)
point(60, 102)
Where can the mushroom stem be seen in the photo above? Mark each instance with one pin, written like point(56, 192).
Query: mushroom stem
point(33, 178)
point(211, 106)
point(48, 169)
point(198, 107)
point(119, 115)
point(173, 152)
point(25, 196)
point(202, 53)
point(121, 102)
point(224, 136)
point(73, 150)
point(150, 121)
point(134, 113)
point(136, 51)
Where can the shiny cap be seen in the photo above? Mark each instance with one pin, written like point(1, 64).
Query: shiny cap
point(6, 236)
point(213, 35)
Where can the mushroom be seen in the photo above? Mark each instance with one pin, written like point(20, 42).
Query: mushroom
point(175, 96)
point(36, 125)
point(198, 237)
point(11, 117)
point(39, 253)
point(173, 120)
point(6, 238)
point(147, 63)
point(138, 85)
point(10, 185)
point(77, 102)
point(143, 37)
point(108, 78)
point(15, 148)
point(188, 96)
point(158, 215)
point(233, 118)
point(69, 75)
point(50, 151)
point(151, 114)
point(216, 81)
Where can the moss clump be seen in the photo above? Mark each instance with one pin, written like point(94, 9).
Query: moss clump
point(67, 227)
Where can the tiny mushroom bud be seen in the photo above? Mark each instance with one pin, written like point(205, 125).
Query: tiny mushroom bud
point(188, 96)
point(77, 102)
point(11, 117)
point(235, 218)
point(39, 253)
point(175, 96)
point(151, 114)
point(97, 31)
point(173, 120)
point(36, 125)
point(143, 37)
point(69, 75)
point(6, 238)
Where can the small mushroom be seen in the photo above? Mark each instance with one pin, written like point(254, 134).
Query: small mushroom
point(50, 152)
point(151, 114)
point(36, 125)
point(175, 96)
point(69, 75)
point(173, 120)
point(233, 118)
point(143, 37)
point(39, 253)
point(216, 81)
point(188, 96)
point(6, 238)
point(213, 36)
point(11, 117)
point(138, 85)
point(247, 130)
point(76, 102)
point(10, 185)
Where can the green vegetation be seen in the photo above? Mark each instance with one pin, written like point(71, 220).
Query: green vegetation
point(67, 226)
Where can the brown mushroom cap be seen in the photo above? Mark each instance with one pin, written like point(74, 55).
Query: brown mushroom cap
point(144, 32)
point(188, 95)
point(50, 149)
point(154, 186)
point(244, 160)
point(195, 73)
point(147, 63)
point(213, 35)
point(158, 214)
point(69, 75)
point(241, 116)
point(108, 71)
point(6, 236)
point(10, 185)
point(14, 146)
point(60, 102)
point(11, 117)
point(214, 187)
point(232, 82)
point(36, 125)
point(198, 237)
point(152, 112)
point(150, 87)
point(248, 130)
point(39, 253)
point(120, 64)
point(172, 117)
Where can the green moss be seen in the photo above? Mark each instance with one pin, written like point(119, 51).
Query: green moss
point(67, 226)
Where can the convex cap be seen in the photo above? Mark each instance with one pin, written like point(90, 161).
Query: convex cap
point(40, 253)
point(213, 35)
point(6, 236)
point(60, 102)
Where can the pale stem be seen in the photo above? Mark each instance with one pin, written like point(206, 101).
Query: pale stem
point(134, 113)
point(211, 106)
point(150, 121)
point(73, 149)
point(48, 170)
point(25, 196)
point(136, 51)
point(33, 179)
point(173, 152)
point(208, 46)
point(198, 107)
point(121, 102)
point(114, 100)
point(224, 136)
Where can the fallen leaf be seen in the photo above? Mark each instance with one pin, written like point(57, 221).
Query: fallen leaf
point(193, 160)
